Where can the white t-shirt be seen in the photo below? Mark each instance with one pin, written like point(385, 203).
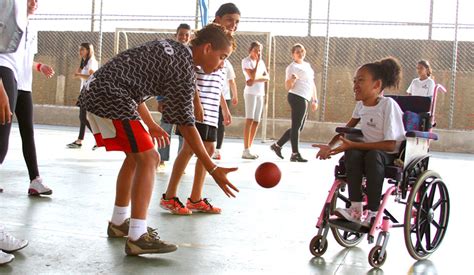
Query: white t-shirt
point(13, 60)
point(305, 83)
point(25, 73)
point(258, 88)
point(92, 64)
point(422, 87)
point(383, 121)
point(230, 74)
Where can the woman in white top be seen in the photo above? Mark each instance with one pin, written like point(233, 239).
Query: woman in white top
point(383, 131)
point(256, 75)
point(301, 91)
point(423, 85)
point(88, 66)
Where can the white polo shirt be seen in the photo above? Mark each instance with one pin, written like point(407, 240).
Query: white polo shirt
point(304, 84)
point(381, 122)
point(422, 87)
point(258, 88)
point(25, 72)
point(230, 74)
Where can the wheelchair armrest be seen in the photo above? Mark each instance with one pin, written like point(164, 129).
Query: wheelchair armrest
point(349, 130)
point(350, 133)
point(419, 134)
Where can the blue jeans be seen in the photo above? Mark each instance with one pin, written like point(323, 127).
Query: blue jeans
point(165, 152)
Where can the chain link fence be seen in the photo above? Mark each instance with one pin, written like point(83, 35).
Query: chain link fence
point(335, 49)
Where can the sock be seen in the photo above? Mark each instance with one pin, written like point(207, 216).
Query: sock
point(137, 228)
point(119, 215)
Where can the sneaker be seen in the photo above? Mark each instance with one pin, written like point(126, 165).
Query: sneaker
point(74, 145)
point(277, 149)
point(352, 214)
point(202, 206)
point(119, 231)
point(296, 157)
point(95, 147)
point(1, 189)
point(174, 205)
point(38, 188)
point(367, 221)
point(161, 167)
point(216, 155)
point(10, 244)
point(148, 243)
point(247, 155)
point(5, 258)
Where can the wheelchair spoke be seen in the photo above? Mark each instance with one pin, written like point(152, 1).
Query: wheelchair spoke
point(432, 195)
point(428, 236)
point(437, 204)
point(435, 224)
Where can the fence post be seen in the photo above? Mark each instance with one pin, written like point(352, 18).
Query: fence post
point(310, 16)
point(454, 69)
point(99, 54)
point(325, 66)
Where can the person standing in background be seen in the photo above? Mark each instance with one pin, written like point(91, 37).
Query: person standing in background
point(87, 67)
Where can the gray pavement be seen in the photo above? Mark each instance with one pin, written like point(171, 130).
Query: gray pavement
point(262, 231)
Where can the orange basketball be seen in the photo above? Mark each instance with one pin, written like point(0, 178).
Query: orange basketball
point(267, 174)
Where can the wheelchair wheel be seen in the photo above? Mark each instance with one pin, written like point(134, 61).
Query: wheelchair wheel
point(426, 215)
point(374, 256)
point(344, 238)
point(316, 246)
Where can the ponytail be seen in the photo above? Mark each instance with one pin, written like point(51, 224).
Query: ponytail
point(388, 70)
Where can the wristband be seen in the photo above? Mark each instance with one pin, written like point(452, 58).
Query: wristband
point(213, 170)
point(38, 67)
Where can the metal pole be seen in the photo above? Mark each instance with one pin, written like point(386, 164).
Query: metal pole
point(99, 54)
point(325, 66)
point(196, 19)
point(430, 27)
point(93, 16)
point(454, 69)
point(310, 15)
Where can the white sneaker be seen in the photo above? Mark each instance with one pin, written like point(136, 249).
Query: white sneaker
point(38, 188)
point(247, 155)
point(10, 244)
point(352, 214)
point(5, 258)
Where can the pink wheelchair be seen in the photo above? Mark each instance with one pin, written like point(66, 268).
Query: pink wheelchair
point(422, 192)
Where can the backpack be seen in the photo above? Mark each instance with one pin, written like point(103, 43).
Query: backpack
point(10, 32)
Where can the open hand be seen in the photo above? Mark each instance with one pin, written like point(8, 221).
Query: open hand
point(220, 176)
point(159, 136)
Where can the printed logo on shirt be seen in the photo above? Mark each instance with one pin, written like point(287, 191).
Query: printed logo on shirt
point(167, 46)
point(371, 123)
point(425, 86)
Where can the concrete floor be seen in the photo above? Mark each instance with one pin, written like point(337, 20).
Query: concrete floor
point(262, 231)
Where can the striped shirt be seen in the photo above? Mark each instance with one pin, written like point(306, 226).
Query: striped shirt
point(210, 88)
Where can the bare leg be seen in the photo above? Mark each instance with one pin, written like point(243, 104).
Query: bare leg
point(179, 165)
point(200, 174)
point(248, 125)
point(143, 182)
point(253, 132)
point(124, 181)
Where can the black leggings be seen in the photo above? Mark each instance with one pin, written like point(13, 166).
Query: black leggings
point(299, 112)
point(221, 127)
point(21, 104)
point(84, 123)
point(371, 164)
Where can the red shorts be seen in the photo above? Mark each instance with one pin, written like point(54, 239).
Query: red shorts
point(128, 136)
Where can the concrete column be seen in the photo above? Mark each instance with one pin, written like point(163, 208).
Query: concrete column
point(60, 88)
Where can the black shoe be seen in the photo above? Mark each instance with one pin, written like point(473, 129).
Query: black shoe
point(277, 149)
point(296, 157)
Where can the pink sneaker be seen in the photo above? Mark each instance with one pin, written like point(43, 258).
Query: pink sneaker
point(202, 206)
point(174, 206)
point(352, 214)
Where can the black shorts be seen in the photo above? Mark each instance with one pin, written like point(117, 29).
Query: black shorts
point(208, 133)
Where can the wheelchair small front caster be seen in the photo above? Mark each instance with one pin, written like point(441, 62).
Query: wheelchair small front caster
point(317, 247)
point(374, 256)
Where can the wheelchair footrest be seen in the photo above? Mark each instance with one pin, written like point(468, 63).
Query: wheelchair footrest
point(348, 226)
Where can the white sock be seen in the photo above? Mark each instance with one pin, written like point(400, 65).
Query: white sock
point(137, 228)
point(119, 215)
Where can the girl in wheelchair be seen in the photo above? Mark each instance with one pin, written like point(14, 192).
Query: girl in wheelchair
point(381, 124)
